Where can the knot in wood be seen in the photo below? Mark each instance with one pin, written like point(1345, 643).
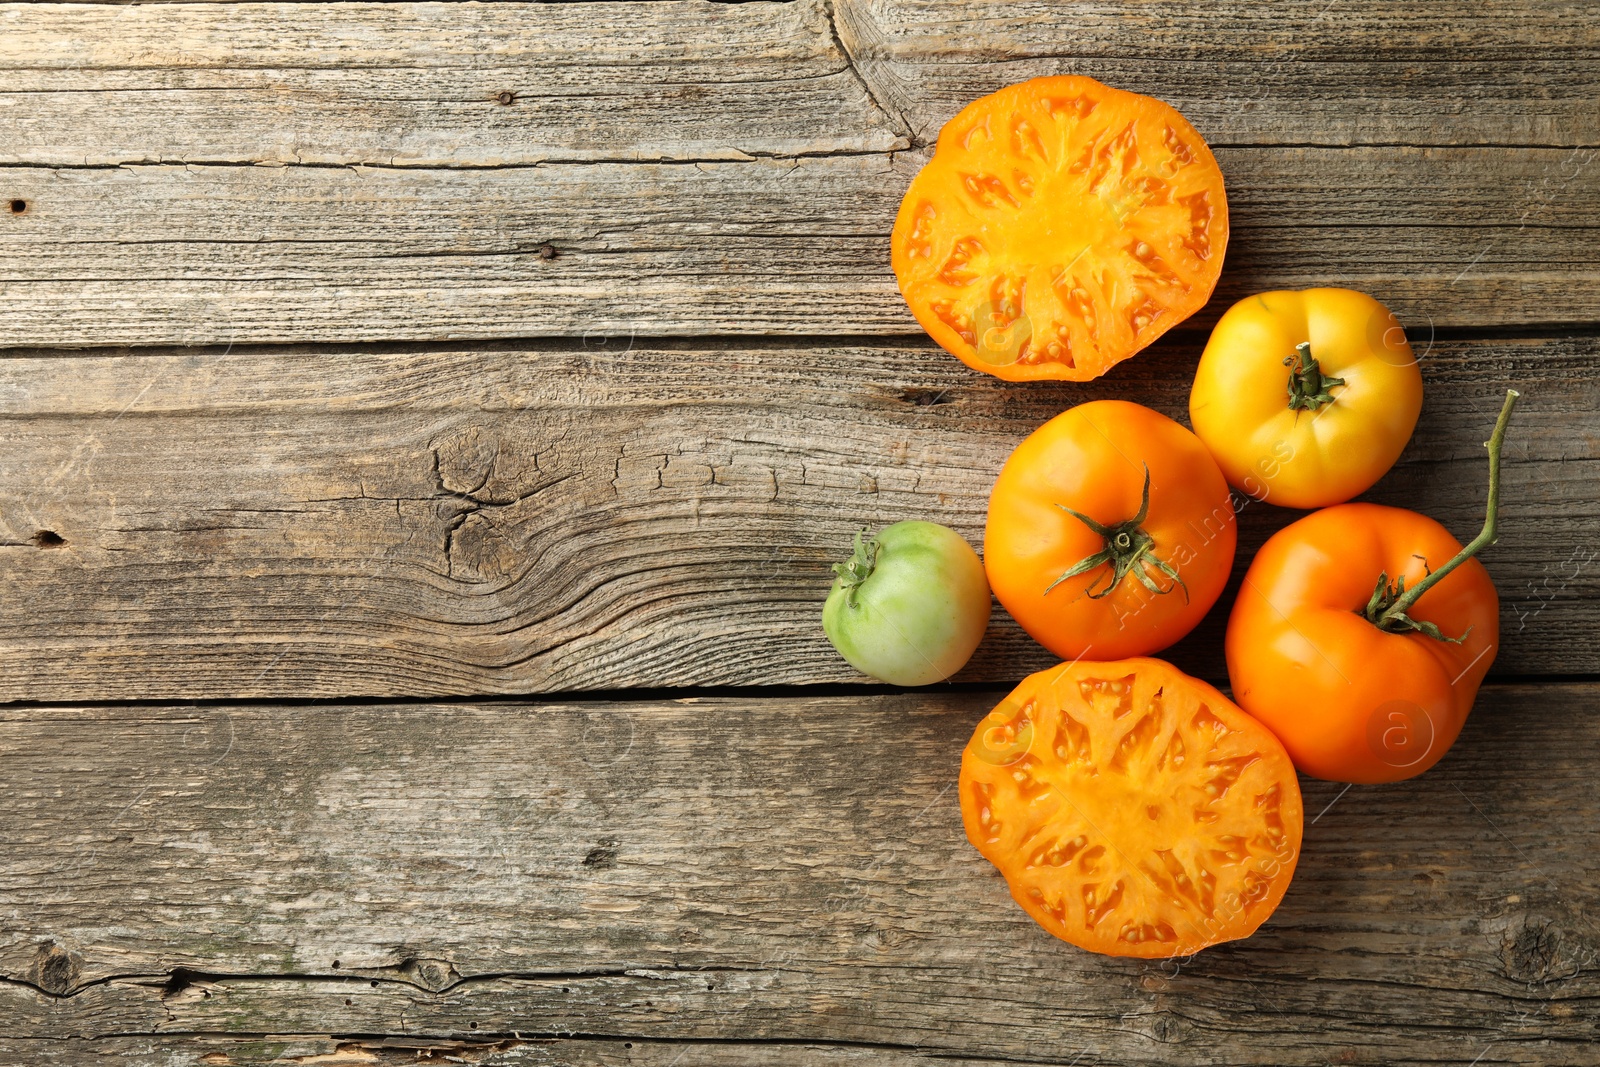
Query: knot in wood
point(431, 974)
point(1536, 952)
point(55, 970)
point(602, 857)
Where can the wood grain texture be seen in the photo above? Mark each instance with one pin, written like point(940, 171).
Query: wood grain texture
point(760, 878)
point(747, 870)
point(402, 201)
point(440, 522)
point(221, 254)
point(525, 1050)
point(422, 84)
point(1260, 72)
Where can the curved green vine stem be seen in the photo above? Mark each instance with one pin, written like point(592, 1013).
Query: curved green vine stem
point(1308, 386)
point(1389, 604)
point(1128, 549)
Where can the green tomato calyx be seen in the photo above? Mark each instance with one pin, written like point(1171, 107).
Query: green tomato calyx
point(1128, 550)
point(1308, 386)
point(858, 568)
point(1391, 600)
point(1380, 609)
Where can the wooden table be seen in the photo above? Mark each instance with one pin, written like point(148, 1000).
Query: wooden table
point(426, 431)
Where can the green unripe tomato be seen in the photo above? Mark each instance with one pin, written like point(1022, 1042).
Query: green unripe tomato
point(909, 606)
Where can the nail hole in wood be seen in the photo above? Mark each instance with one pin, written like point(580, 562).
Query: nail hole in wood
point(336, 965)
point(18, 206)
point(473, 1025)
point(48, 539)
point(374, 983)
point(347, 1002)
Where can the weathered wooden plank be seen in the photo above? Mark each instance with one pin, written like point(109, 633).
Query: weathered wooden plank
point(1258, 71)
point(777, 870)
point(212, 255)
point(422, 84)
point(525, 1050)
point(426, 84)
point(1243, 29)
point(285, 524)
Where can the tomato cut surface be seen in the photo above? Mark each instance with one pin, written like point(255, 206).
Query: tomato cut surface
point(1133, 810)
point(1060, 227)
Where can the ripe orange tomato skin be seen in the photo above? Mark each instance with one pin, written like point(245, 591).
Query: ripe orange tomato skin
point(1321, 456)
point(1133, 810)
point(1350, 702)
point(1092, 459)
point(1060, 227)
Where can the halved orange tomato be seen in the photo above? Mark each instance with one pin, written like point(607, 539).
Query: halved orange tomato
point(1060, 227)
point(1133, 810)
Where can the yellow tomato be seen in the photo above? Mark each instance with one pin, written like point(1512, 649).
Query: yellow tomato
point(1306, 398)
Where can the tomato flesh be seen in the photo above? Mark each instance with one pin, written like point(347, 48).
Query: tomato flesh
point(1060, 227)
point(1133, 810)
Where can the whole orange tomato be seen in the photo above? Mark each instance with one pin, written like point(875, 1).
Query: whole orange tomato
point(1361, 635)
point(1110, 533)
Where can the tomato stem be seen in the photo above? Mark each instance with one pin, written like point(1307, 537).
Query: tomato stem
point(1308, 386)
point(859, 567)
point(1388, 606)
point(1128, 549)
